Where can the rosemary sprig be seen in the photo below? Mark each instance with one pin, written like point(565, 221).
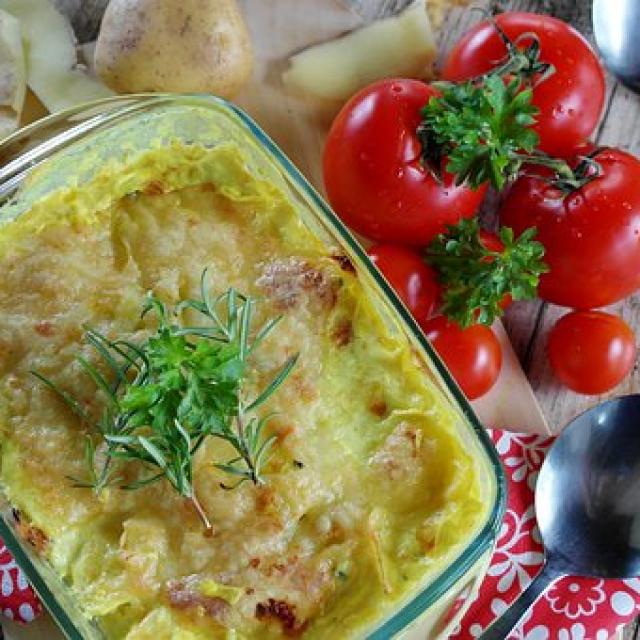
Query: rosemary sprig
point(166, 395)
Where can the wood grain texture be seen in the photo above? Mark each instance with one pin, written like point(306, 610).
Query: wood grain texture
point(529, 324)
point(85, 16)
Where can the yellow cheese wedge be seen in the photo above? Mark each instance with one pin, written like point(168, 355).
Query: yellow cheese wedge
point(402, 45)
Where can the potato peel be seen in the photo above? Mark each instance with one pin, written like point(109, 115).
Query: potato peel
point(13, 75)
point(51, 58)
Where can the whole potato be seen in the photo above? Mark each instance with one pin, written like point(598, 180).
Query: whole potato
point(174, 46)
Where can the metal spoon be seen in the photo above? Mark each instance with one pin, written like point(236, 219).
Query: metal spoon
point(616, 24)
point(587, 504)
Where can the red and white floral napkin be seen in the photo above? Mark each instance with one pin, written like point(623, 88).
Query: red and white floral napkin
point(574, 609)
point(17, 599)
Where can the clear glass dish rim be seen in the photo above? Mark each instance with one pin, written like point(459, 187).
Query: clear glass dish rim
point(485, 538)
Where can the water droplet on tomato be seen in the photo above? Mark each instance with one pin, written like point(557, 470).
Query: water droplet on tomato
point(578, 200)
point(551, 194)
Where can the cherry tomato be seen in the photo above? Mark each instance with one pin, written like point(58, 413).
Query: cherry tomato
point(570, 101)
point(591, 236)
point(591, 351)
point(373, 173)
point(493, 243)
point(473, 355)
point(415, 283)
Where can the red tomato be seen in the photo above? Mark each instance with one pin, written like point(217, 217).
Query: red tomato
point(473, 355)
point(591, 351)
point(493, 243)
point(570, 101)
point(373, 174)
point(591, 236)
point(415, 283)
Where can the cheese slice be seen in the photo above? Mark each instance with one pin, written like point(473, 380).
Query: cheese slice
point(402, 45)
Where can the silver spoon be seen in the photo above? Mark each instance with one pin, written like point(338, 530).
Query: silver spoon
point(587, 504)
point(616, 24)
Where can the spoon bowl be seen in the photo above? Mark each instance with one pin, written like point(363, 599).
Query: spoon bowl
point(587, 503)
point(588, 493)
point(616, 24)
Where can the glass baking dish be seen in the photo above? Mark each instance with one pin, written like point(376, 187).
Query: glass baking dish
point(118, 128)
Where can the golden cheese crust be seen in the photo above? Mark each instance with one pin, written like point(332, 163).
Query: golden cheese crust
point(370, 490)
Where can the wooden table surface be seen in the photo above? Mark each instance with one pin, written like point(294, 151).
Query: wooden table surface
point(527, 323)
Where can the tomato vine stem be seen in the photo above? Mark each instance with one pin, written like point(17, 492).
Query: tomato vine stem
point(481, 130)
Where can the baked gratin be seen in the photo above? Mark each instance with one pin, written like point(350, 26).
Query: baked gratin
point(367, 488)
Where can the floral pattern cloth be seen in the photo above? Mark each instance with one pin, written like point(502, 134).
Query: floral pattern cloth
point(573, 609)
point(17, 599)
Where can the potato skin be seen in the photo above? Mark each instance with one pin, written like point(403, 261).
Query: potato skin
point(177, 46)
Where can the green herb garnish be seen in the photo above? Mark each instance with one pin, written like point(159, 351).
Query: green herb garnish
point(476, 279)
point(484, 130)
point(166, 395)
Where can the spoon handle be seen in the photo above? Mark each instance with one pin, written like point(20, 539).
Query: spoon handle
point(509, 620)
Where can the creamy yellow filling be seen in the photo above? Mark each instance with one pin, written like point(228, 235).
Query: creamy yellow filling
point(370, 490)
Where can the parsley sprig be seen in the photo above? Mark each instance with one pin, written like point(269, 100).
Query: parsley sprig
point(181, 385)
point(484, 131)
point(476, 279)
